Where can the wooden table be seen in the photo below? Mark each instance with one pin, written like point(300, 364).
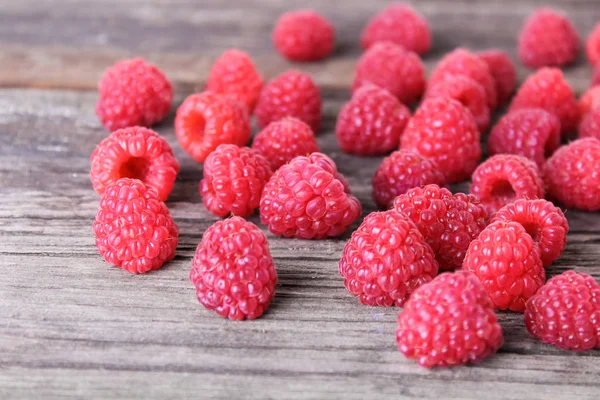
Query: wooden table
point(71, 326)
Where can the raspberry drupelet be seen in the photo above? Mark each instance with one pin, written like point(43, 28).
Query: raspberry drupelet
point(503, 71)
point(303, 35)
point(592, 45)
point(590, 125)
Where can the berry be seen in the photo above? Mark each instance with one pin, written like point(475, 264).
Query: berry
point(508, 263)
point(281, 141)
point(137, 153)
point(291, 94)
point(565, 312)
point(303, 35)
point(233, 270)
point(529, 132)
point(449, 321)
point(371, 122)
point(448, 222)
point(400, 171)
point(391, 67)
point(572, 174)
point(590, 125)
point(544, 222)
point(596, 76)
point(234, 75)
point(234, 178)
point(503, 71)
point(308, 199)
point(133, 227)
point(206, 120)
point(443, 130)
point(592, 45)
point(401, 24)
point(589, 101)
point(386, 259)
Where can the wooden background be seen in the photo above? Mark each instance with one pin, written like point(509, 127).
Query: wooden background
point(72, 326)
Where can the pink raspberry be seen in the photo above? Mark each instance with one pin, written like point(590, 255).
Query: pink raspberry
point(596, 76)
point(590, 125)
point(589, 101)
point(592, 45)
point(503, 71)
point(304, 35)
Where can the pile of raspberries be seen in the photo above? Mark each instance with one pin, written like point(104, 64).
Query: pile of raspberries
point(450, 260)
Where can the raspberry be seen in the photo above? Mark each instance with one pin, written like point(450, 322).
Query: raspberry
point(565, 312)
point(234, 178)
point(234, 75)
point(589, 101)
point(133, 228)
point(449, 321)
point(206, 120)
point(508, 263)
point(572, 174)
point(304, 35)
point(291, 94)
point(371, 122)
point(544, 222)
point(400, 171)
point(401, 24)
point(592, 45)
point(391, 67)
point(548, 89)
point(503, 71)
point(137, 153)
point(448, 222)
point(308, 199)
point(596, 76)
point(547, 39)
point(233, 270)
point(386, 259)
point(529, 132)
point(281, 141)
point(443, 130)
point(590, 125)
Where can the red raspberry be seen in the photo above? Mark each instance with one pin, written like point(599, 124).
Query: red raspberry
point(133, 228)
point(371, 122)
point(137, 153)
point(234, 75)
point(448, 222)
point(281, 141)
point(386, 259)
point(449, 321)
point(572, 174)
point(308, 199)
point(304, 35)
point(393, 68)
point(503, 71)
point(565, 312)
point(589, 101)
point(233, 270)
point(544, 222)
point(234, 178)
point(400, 171)
point(596, 76)
point(291, 94)
point(548, 89)
point(206, 120)
point(592, 45)
point(529, 132)
point(443, 130)
point(401, 24)
point(508, 263)
point(590, 125)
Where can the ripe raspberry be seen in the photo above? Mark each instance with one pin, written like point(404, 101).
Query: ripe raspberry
point(206, 120)
point(233, 270)
point(589, 101)
point(386, 259)
point(234, 75)
point(592, 45)
point(572, 174)
point(308, 199)
point(545, 223)
point(547, 39)
point(137, 153)
point(565, 312)
point(291, 94)
point(448, 222)
point(391, 67)
point(234, 178)
point(443, 130)
point(503, 71)
point(449, 321)
point(529, 132)
point(400, 171)
point(548, 89)
point(590, 125)
point(371, 122)
point(508, 263)
point(596, 76)
point(133, 228)
point(281, 141)
point(303, 35)
point(401, 24)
